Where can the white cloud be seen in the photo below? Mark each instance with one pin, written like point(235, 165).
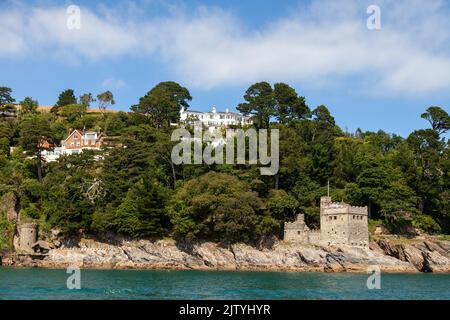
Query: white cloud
point(111, 83)
point(324, 44)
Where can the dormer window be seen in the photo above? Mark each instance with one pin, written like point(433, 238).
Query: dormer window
point(75, 136)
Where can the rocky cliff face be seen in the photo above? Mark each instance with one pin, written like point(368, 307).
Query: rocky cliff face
point(425, 256)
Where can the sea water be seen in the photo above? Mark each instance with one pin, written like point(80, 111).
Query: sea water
point(136, 284)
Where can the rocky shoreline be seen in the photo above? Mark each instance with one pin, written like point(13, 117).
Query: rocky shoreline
point(390, 255)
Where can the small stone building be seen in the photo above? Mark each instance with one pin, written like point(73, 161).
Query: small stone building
point(27, 237)
point(340, 224)
point(297, 231)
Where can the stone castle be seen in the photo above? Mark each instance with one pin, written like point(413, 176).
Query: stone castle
point(340, 224)
point(26, 237)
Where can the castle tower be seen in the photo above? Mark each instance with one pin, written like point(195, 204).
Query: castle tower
point(28, 235)
point(343, 224)
point(324, 203)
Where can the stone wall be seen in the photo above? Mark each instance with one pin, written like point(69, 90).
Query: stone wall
point(296, 231)
point(358, 230)
point(314, 237)
point(27, 237)
point(334, 228)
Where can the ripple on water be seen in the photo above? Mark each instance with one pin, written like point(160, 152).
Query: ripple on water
point(151, 284)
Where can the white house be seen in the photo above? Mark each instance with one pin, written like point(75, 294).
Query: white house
point(214, 119)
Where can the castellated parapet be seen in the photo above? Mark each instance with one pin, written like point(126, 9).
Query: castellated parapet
point(340, 224)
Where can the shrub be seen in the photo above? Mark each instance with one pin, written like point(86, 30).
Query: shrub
point(426, 223)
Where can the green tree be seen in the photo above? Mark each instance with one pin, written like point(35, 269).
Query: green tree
point(105, 99)
point(28, 105)
point(398, 205)
point(260, 104)
point(86, 99)
point(218, 206)
point(65, 98)
point(289, 106)
point(72, 112)
point(162, 104)
point(4, 146)
point(282, 206)
point(5, 96)
point(34, 129)
point(142, 210)
point(65, 201)
point(438, 118)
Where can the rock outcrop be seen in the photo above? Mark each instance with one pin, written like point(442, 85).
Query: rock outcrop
point(9, 205)
point(425, 256)
point(389, 256)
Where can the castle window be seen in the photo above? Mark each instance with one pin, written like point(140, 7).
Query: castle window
point(298, 232)
point(335, 217)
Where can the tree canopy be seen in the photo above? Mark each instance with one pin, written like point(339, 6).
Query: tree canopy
point(134, 189)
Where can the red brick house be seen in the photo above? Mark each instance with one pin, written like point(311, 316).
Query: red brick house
point(78, 139)
point(75, 143)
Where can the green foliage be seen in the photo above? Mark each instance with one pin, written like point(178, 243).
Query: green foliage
point(5, 96)
point(218, 206)
point(28, 105)
point(4, 146)
point(426, 223)
point(438, 118)
point(72, 112)
point(142, 210)
point(65, 98)
point(65, 202)
point(264, 102)
point(135, 189)
point(86, 99)
point(282, 206)
point(259, 103)
point(162, 104)
point(373, 223)
point(105, 99)
point(6, 232)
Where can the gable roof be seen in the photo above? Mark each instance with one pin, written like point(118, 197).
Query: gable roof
point(76, 130)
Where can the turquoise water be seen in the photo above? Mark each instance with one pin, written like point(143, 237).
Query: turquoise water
point(133, 284)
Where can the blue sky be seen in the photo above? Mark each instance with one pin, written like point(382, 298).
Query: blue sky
point(373, 79)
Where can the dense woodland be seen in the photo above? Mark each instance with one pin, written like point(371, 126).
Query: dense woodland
point(135, 190)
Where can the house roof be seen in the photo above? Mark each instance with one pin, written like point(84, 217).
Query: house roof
point(82, 133)
point(76, 130)
point(218, 112)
